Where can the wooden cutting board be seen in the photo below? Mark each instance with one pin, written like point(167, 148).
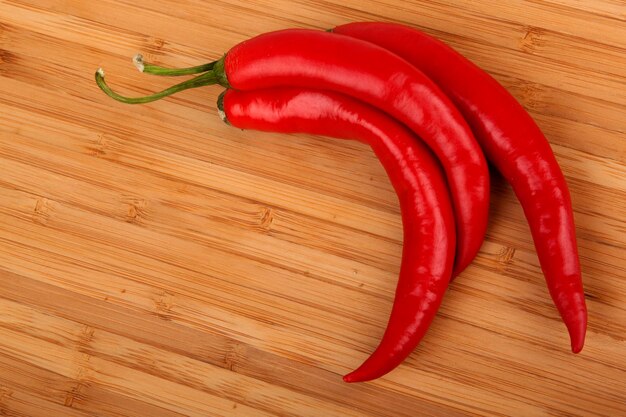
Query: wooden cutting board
point(156, 262)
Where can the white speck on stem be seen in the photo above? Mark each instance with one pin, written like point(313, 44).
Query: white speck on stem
point(101, 72)
point(138, 61)
point(222, 114)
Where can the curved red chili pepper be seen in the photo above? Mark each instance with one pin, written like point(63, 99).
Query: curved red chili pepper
point(512, 142)
point(427, 215)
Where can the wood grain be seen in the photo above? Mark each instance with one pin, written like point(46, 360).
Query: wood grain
point(154, 261)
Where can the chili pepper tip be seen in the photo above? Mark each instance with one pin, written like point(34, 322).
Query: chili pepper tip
point(356, 376)
point(577, 329)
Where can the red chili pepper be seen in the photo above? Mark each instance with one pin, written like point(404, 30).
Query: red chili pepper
point(427, 215)
point(512, 142)
point(314, 59)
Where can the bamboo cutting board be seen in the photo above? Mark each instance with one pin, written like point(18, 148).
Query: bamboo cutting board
point(156, 262)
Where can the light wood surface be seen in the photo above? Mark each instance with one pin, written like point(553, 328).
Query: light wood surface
point(156, 262)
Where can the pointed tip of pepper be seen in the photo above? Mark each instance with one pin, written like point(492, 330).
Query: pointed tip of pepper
point(577, 328)
point(350, 378)
point(359, 375)
point(577, 339)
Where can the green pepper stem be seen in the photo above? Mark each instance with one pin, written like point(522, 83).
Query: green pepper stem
point(208, 78)
point(216, 75)
point(148, 68)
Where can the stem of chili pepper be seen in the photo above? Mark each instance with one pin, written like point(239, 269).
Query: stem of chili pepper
point(148, 68)
point(208, 78)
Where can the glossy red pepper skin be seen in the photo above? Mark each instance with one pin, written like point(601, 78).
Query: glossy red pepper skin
point(427, 213)
point(314, 59)
point(515, 145)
